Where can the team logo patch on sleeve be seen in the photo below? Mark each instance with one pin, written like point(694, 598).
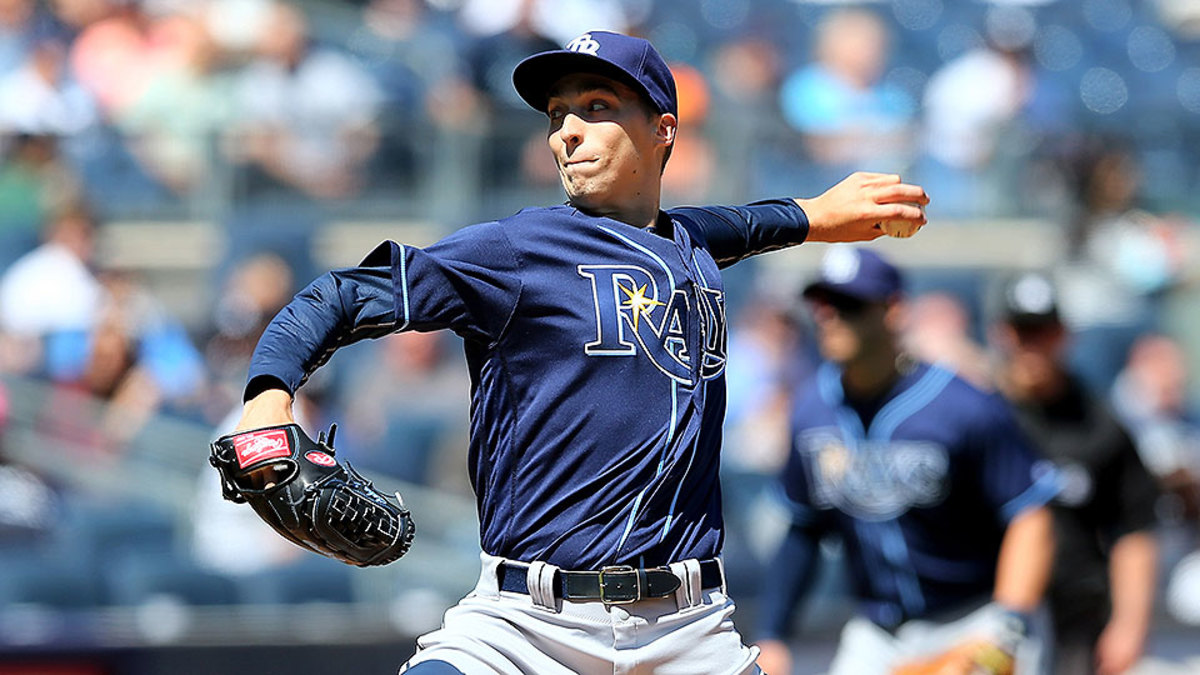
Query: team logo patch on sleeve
point(260, 446)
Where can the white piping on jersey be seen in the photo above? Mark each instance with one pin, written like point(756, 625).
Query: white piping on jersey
point(908, 403)
point(404, 284)
point(643, 249)
point(1043, 489)
point(637, 503)
point(692, 458)
point(699, 272)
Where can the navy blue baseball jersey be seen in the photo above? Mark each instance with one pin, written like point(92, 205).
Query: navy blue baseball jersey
point(919, 485)
point(596, 352)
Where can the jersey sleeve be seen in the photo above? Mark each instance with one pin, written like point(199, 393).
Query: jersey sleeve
point(467, 282)
point(795, 564)
point(1134, 491)
point(734, 233)
point(1012, 473)
point(793, 570)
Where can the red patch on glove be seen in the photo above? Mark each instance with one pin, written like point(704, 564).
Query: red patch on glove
point(320, 458)
point(259, 446)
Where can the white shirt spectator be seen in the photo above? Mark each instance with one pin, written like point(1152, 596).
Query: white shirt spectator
point(967, 103)
point(37, 99)
point(48, 290)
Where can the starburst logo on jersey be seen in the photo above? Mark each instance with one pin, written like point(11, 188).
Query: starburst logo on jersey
point(638, 304)
point(876, 480)
point(638, 312)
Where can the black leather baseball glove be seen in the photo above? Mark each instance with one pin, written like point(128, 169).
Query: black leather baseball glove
point(300, 489)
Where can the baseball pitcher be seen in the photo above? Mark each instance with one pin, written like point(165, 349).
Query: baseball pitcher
point(595, 337)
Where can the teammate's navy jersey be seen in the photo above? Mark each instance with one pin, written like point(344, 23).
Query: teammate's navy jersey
point(920, 492)
point(596, 352)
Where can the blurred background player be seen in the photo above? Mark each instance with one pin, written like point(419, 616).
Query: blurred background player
point(1102, 591)
point(937, 496)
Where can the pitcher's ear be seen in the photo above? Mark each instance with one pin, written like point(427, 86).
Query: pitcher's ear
point(668, 124)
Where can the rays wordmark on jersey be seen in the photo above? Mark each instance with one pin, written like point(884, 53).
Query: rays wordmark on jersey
point(877, 480)
point(638, 314)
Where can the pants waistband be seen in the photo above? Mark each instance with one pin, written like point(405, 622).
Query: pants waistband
point(613, 585)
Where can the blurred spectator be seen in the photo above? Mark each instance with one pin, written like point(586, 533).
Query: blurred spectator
point(767, 360)
point(35, 182)
point(49, 290)
point(688, 177)
point(41, 97)
point(1103, 588)
point(76, 15)
point(938, 330)
point(559, 20)
point(493, 56)
point(306, 115)
point(416, 57)
point(402, 409)
point(746, 72)
point(28, 505)
point(515, 133)
point(847, 113)
point(134, 357)
point(116, 52)
point(408, 50)
point(745, 81)
point(172, 124)
point(1180, 16)
point(1150, 395)
point(978, 109)
point(256, 289)
point(1121, 260)
point(21, 23)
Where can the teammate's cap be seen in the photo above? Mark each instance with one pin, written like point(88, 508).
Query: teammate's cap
point(856, 272)
point(1029, 298)
point(627, 59)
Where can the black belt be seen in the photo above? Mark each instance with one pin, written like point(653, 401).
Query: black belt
point(614, 585)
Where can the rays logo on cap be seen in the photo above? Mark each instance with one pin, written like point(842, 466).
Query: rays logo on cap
point(584, 44)
point(840, 265)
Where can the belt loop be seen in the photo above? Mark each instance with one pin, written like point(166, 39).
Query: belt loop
point(540, 580)
point(721, 566)
point(690, 589)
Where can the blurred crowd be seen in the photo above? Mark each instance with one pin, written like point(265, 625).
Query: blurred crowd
point(270, 119)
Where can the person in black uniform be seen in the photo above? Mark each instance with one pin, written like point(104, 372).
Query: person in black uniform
point(1102, 589)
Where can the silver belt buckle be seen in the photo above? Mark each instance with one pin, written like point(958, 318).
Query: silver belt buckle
point(619, 585)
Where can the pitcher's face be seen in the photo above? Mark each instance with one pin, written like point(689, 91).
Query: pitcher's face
point(605, 142)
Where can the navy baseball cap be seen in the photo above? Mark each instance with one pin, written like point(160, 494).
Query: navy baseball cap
point(624, 58)
point(1029, 298)
point(858, 273)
